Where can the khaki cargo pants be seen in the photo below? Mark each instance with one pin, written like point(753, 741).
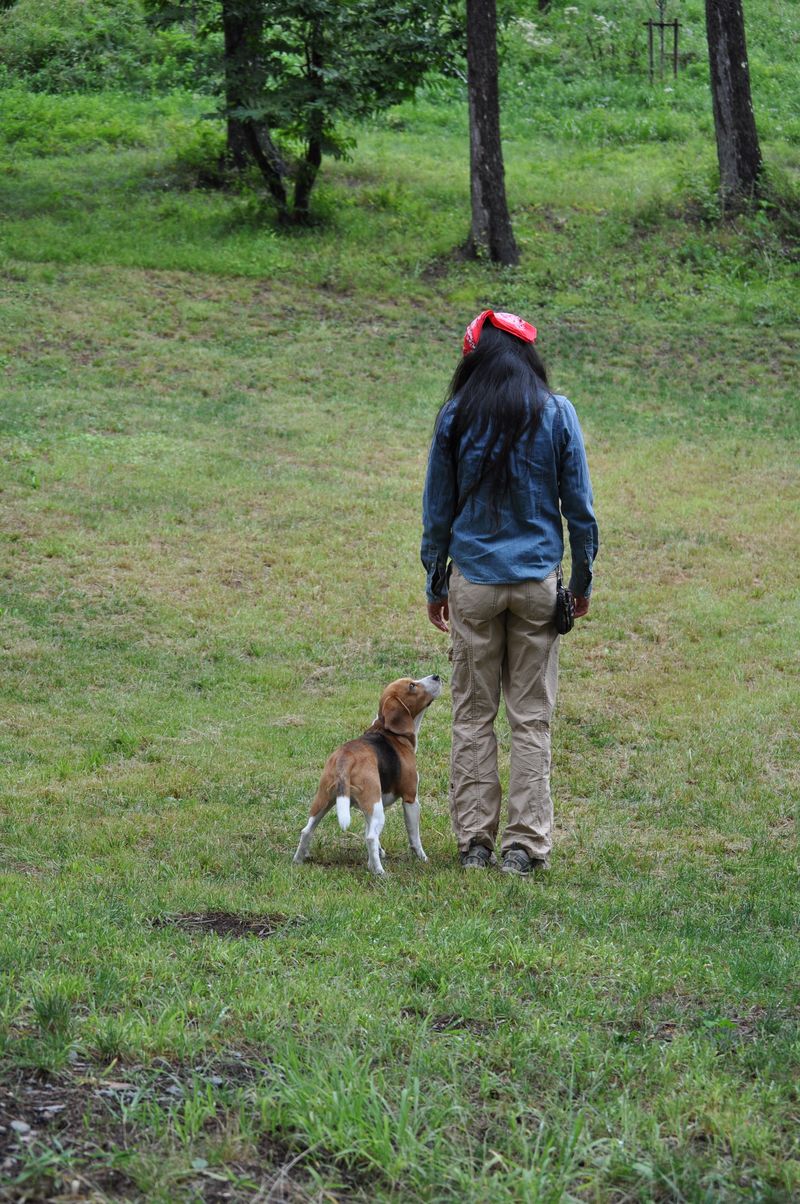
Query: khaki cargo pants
point(503, 635)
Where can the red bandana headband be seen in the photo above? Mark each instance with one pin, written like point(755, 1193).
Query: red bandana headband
point(510, 322)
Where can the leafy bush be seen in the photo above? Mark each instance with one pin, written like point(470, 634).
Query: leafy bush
point(69, 46)
point(198, 161)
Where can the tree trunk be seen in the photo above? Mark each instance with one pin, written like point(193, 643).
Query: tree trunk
point(304, 182)
point(739, 155)
point(269, 163)
point(241, 29)
point(309, 167)
point(242, 23)
point(491, 234)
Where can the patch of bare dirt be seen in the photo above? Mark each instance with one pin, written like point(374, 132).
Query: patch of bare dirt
point(225, 923)
point(72, 1118)
point(736, 1026)
point(74, 1129)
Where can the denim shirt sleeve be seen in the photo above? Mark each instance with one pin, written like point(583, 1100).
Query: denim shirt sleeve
point(438, 511)
point(575, 492)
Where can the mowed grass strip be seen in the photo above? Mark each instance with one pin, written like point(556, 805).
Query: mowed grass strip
point(210, 522)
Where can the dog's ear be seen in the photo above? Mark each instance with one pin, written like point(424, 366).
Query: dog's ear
point(396, 718)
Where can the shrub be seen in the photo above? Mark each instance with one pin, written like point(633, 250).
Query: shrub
point(72, 46)
point(198, 160)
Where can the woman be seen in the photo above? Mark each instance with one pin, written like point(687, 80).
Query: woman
point(506, 462)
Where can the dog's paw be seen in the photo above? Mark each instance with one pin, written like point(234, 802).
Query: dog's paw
point(421, 854)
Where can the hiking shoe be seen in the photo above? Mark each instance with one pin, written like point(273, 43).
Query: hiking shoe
point(477, 857)
point(517, 861)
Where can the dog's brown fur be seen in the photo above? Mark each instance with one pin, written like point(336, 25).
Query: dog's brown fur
point(354, 768)
point(379, 767)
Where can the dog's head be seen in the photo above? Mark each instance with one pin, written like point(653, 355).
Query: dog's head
point(404, 701)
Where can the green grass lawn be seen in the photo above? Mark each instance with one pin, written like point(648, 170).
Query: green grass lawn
point(215, 438)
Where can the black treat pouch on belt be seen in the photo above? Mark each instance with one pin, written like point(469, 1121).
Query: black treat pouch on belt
point(565, 606)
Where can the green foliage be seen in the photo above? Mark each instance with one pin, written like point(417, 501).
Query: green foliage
point(38, 123)
point(336, 60)
point(299, 72)
point(556, 82)
point(69, 45)
point(297, 76)
point(779, 207)
point(72, 45)
point(198, 156)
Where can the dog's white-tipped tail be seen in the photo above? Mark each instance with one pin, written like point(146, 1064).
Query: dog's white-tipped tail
point(343, 792)
point(343, 811)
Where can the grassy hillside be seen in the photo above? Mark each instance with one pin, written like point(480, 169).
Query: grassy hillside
point(214, 440)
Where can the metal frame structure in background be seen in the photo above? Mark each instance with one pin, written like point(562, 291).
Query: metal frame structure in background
point(661, 26)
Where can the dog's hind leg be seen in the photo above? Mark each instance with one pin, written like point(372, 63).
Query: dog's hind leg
point(372, 835)
point(319, 809)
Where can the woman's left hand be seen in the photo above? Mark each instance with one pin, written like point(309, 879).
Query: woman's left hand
point(439, 613)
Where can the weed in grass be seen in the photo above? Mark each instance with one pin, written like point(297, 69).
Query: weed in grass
point(114, 1039)
point(52, 1010)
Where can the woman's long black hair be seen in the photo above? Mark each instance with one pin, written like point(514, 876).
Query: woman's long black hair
point(500, 389)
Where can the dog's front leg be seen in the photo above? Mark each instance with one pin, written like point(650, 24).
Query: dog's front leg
point(411, 816)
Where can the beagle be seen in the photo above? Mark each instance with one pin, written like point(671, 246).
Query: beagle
point(377, 769)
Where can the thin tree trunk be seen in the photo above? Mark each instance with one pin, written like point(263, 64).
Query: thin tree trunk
point(740, 163)
point(491, 234)
point(309, 167)
point(304, 182)
point(269, 163)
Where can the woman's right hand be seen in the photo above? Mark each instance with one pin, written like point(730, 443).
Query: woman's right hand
point(581, 606)
point(439, 613)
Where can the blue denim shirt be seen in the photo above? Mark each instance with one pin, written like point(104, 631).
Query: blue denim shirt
point(548, 480)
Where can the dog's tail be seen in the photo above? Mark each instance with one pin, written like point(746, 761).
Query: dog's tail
point(343, 794)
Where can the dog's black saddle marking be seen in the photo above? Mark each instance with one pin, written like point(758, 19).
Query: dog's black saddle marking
point(388, 760)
